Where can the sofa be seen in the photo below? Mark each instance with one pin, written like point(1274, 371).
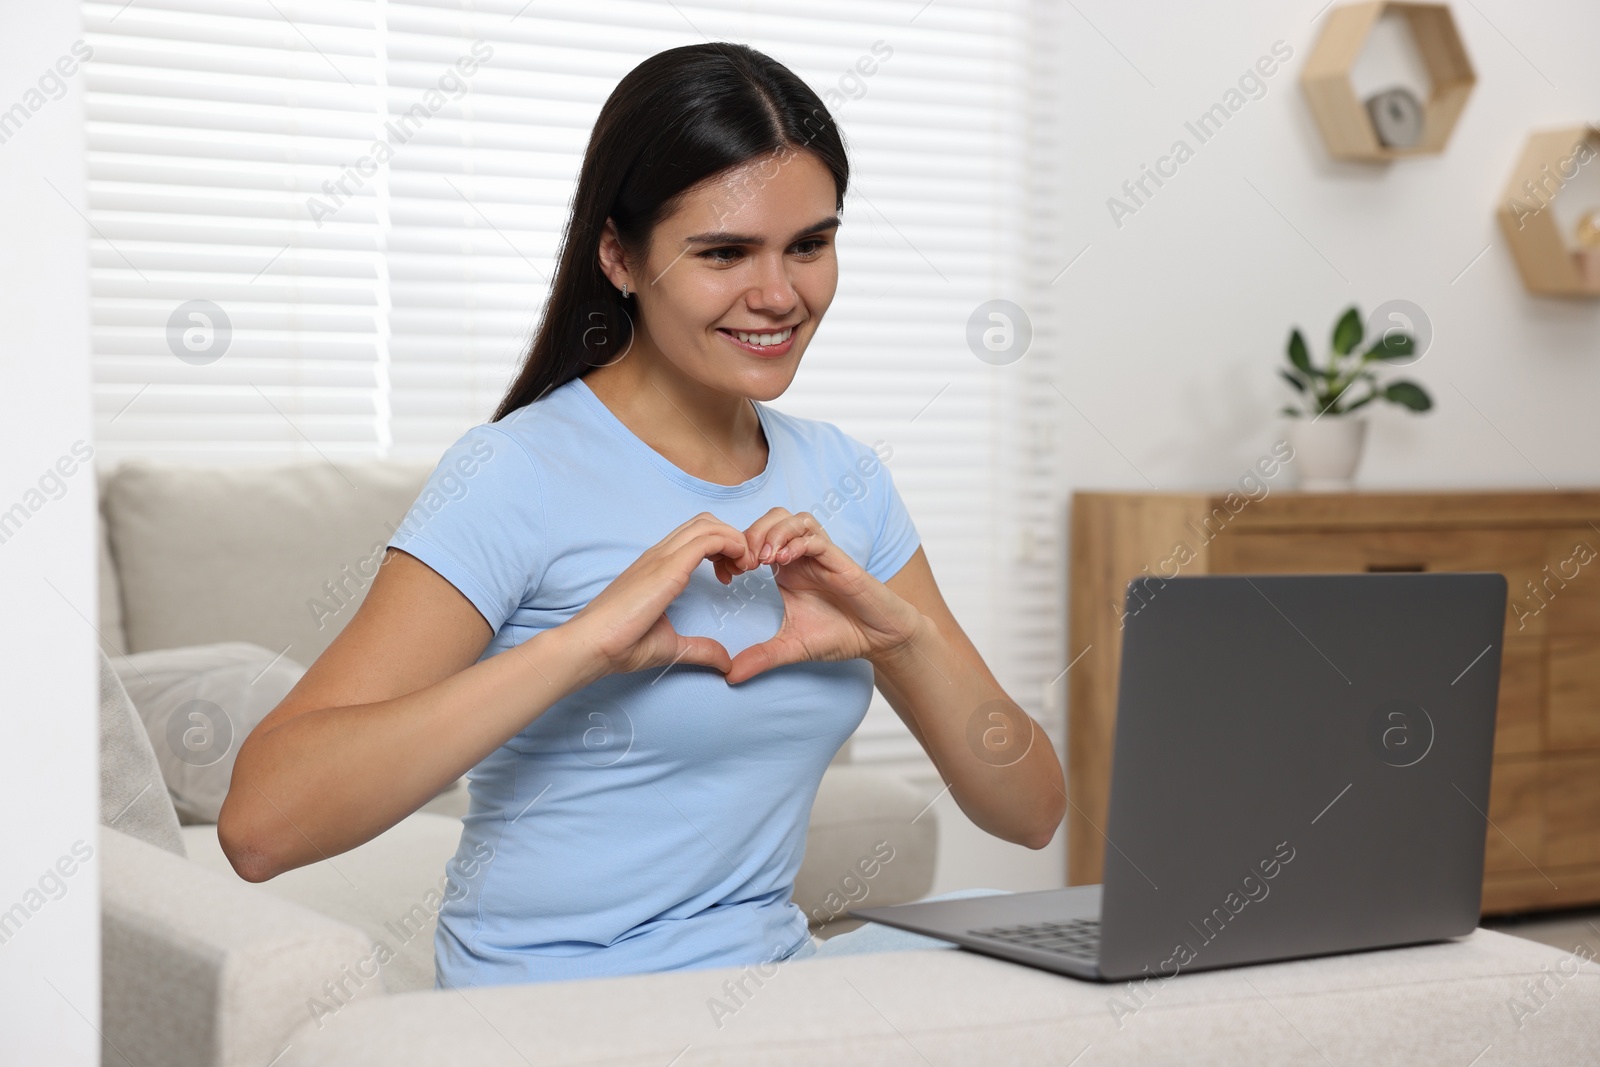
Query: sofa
point(218, 582)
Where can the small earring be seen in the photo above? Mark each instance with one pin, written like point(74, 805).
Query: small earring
point(624, 290)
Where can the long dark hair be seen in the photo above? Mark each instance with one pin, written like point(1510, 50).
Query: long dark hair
point(676, 119)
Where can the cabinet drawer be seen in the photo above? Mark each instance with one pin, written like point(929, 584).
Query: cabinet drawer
point(1516, 816)
point(1571, 810)
point(1573, 690)
point(1567, 588)
point(1517, 554)
point(1520, 713)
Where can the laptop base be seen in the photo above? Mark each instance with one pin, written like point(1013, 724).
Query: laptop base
point(964, 920)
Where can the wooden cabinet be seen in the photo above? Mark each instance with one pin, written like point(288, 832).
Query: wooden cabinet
point(1543, 847)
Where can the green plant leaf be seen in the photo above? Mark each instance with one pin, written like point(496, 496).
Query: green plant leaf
point(1298, 355)
point(1340, 387)
point(1363, 402)
point(1293, 413)
point(1392, 346)
point(1408, 394)
point(1347, 334)
point(1299, 386)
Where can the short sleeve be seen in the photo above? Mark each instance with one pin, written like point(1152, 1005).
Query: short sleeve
point(480, 522)
point(896, 539)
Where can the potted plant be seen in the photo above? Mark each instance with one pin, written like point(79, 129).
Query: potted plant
point(1327, 440)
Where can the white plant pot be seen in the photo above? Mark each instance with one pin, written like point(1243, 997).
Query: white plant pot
point(1327, 451)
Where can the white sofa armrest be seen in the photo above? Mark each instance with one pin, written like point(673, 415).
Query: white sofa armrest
point(201, 971)
point(1528, 1004)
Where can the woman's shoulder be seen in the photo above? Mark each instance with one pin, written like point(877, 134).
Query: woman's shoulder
point(510, 457)
point(537, 427)
point(822, 439)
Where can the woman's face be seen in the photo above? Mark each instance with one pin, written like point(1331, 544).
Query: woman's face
point(738, 277)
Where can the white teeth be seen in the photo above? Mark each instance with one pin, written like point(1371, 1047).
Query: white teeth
point(764, 339)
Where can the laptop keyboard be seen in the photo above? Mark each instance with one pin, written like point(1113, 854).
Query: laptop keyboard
point(1075, 937)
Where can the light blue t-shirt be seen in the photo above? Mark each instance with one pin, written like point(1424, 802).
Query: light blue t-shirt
point(653, 820)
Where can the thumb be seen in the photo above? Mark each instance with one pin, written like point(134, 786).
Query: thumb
point(756, 659)
point(704, 652)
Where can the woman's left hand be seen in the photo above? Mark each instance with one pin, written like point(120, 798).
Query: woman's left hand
point(832, 608)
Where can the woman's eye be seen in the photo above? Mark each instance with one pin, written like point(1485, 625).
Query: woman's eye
point(809, 248)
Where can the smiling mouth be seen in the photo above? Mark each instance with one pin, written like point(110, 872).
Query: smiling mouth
point(761, 338)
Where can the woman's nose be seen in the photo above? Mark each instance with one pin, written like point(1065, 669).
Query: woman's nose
point(773, 290)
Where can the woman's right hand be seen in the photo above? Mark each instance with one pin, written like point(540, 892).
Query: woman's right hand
point(626, 627)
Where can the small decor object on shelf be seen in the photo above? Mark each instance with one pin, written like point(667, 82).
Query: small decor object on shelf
point(1355, 129)
point(1553, 259)
point(1396, 117)
point(1588, 253)
point(1589, 229)
point(1327, 445)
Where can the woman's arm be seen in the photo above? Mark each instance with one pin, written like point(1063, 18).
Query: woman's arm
point(394, 710)
point(398, 707)
point(1000, 765)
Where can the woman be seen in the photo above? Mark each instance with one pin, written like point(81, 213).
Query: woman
point(689, 647)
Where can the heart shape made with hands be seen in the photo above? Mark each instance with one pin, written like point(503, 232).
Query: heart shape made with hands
point(832, 608)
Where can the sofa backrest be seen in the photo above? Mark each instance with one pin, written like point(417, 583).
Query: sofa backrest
point(278, 556)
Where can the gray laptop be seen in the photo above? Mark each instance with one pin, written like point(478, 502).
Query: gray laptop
point(1301, 767)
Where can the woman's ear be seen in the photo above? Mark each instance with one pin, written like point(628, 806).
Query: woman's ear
point(613, 263)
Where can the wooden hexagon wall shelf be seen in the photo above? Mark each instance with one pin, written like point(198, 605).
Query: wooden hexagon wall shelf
point(1346, 126)
point(1550, 263)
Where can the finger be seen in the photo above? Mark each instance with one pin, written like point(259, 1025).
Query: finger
point(705, 522)
point(741, 558)
point(694, 520)
point(663, 647)
point(801, 536)
point(704, 652)
point(779, 532)
point(775, 652)
point(809, 543)
point(758, 532)
point(695, 527)
point(726, 570)
point(723, 545)
point(685, 529)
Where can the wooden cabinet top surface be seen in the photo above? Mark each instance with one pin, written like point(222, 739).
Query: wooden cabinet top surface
point(1283, 508)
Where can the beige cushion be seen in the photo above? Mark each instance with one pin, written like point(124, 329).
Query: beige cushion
point(862, 846)
point(1439, 1004)
point(277, 556)
point(390, 888)
point(133, 797)
point(198, 704)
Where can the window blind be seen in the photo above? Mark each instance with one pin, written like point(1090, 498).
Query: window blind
point(367, 195)
point(224, 324)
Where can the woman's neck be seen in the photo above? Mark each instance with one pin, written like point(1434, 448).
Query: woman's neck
point(712, 435)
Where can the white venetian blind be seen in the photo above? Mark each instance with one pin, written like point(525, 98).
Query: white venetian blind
point(225, 324)
point(372, 192)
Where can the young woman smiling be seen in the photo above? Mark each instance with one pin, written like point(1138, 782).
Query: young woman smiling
point(687, 649)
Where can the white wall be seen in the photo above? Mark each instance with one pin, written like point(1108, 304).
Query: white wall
point(1173, 325)
point(49, 783)
point(1179, 318)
